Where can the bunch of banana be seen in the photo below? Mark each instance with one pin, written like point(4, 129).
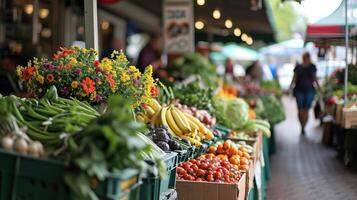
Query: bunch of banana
point(179, 124)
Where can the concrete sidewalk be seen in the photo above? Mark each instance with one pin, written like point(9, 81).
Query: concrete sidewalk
point(302, 168)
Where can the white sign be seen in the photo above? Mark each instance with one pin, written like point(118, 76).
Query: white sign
point(178, 26)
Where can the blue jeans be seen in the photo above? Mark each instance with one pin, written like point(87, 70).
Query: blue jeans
point(304, 99)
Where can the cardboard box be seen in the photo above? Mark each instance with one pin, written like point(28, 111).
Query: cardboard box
point(338, 114)
point(349, 119)
point(189, 190)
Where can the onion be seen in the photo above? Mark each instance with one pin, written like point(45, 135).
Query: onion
point(7, 143)
point(41, 151)
point(33, 149)
point(21, 145)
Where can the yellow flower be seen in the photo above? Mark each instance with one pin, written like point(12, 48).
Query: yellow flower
point(136, 73)
point(84, 50)
point(18, 71)
point(114, 53)
point(106, 64)
point(122, 57)
point(40, 79)
point(74, 84)
point(124, 77)
point(72, 61)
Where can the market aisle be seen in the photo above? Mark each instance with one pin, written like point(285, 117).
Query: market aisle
point(303, 169)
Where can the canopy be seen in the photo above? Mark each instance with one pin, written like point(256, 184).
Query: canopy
point(286, 48)
point(237, 52)
point(331, 29)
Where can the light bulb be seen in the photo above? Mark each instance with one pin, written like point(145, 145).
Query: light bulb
point(237, 32)
point(201, 2)
point(216, 14)
point(244, 37)
point(228, 23)
point(43, 13)
point(28, 9)
point(199, 25)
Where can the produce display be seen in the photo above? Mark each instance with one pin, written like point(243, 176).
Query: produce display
point(13, 138)
point(240, 135)
point(110, 143)
point(94, 120)
point(234, 114)
point(203, 115)
point(209, 168)
point(273, 109)
point(50, 119)
point(163, 139)
point(194, 64)
point(236, 153)
point(194, 95)
point(178, 123)
point(271, 86)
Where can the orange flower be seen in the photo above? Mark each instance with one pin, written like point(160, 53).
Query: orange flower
point(27, 73)
point(50, 77)
point(88, 85)
point(110, 80)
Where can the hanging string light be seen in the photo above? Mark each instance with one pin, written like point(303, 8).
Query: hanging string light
point(216, 14)
point(237, 32)
point(228, 23)
point(199, 25)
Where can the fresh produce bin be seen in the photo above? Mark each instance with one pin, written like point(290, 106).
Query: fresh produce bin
point(28, 178)
point(224, 130)
point(191, 190)
point(117, 185)
point(153, 186)
point(183, 155)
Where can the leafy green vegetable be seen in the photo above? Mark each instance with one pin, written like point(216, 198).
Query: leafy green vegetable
point(232, 113)
point(273, 109)
point(108, 144)
point(194, 95)
point(194, 64)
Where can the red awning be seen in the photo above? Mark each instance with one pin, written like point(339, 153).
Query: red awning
point(325, 31)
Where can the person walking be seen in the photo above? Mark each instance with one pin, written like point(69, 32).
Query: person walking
point(303, 87)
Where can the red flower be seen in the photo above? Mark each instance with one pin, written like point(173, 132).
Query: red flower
point(96, 63)
point(27, 73)
point(88, 85)
point(154, 91)
point(50, 77)
point(110, 80)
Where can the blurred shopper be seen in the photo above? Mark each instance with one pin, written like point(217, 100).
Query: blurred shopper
point(254, 72)
point(229, 67)
point(151, 55)
point(303, 88)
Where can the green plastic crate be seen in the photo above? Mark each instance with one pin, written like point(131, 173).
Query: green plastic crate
point(224, 130)
point(182, 156)
point(117, 185)
point(27, 178)
point(153, 186)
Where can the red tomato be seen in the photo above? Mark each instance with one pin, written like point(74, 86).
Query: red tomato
point(194, 167)
point(181, 170)
point(186, 166)
point(203, 165)
point(190, 171)
point(201, 172)
point(218, 175)
point(210, 178)
point(227, 178)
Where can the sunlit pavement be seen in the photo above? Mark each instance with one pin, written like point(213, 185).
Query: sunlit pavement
point(302, 168)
